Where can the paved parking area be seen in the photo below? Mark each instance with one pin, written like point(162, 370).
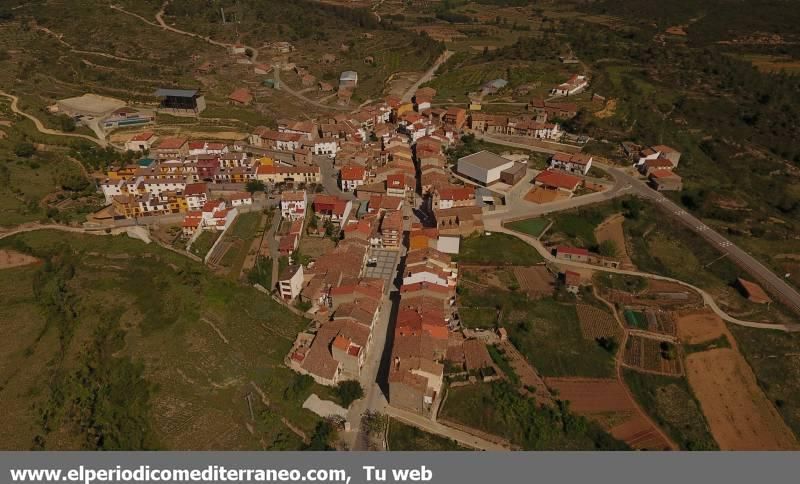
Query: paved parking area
point(384, 269)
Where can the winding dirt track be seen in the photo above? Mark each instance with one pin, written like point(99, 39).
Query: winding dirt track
point(42, 128)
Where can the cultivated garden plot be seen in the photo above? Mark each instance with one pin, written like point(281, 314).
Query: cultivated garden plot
point(597, 323)
point(652, 355)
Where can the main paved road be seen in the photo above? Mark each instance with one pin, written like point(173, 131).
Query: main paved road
point(768, 279)
point(623, 182)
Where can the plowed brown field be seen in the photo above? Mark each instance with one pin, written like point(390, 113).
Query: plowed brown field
point(699, 326)
point(739, 415)
point(607, 401)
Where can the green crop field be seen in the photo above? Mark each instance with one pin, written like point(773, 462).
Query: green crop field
point(497, 249)
point(547, 331)
point(635, 319)
point(532, 226)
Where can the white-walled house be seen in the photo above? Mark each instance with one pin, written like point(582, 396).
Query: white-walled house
point(578, 163)
point(325, 146)
point(574, 85)
point(293, 204)
point(290, 282)
point(141, 142)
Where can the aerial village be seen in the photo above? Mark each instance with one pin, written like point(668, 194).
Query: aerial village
point(463, 237)
point(379, 183)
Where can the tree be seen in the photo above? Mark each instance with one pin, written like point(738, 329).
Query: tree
point(349, 391)
point(24, 150)
point(254, 186)
point(67, 123)
point(608, 248)
point(74, 182)
point(609, 344)
point(323, 434)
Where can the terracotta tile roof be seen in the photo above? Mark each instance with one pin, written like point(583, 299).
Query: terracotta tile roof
point(558, 180)
point(664, 174)
point(171, 143)
point(293, 196)
point(392, 221)
point(572, 278)
point(457, 193)
point(352, 173)
point(241, 95)
point(195, 189)
point(475, 355)
point(664, 149)
point(658, 163)
point(396, 181)
point(143, 136)
point(754, 292)
point(572, 250)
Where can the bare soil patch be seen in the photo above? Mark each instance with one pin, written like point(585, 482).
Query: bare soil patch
point(640, 434)
point(739, 415)
point(12, 258)
point(608, 402)
point(608, 110)
point(536, 281)
point(696, 327)
point(593, 395)
point(538, 195)
point(611, 229)
point(315, 246)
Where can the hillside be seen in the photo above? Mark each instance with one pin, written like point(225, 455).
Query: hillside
point(120, 345)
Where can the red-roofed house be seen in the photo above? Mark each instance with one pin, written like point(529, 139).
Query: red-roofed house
point(662, 180)
point(351, 177)
point(454, 196)
point(378, 203)
point(553, 180)
point(333, 208)
point(576, 254)
point(578, 163)
point(170, 148)
point(241, 96)
point(191, 222)
point(656, 164)
point(392, 229)
point(141, 141)
point(752, 291)
point(196, 195)
point(572, 281)
point(293, 204)
point(240, 198)
point(397, 185)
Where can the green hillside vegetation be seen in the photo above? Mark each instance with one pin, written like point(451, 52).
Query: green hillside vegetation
point(121, 345)
point(42, 183)
point(498, 408)
point(407, 437)
point(671, 403)
point(546, 331)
